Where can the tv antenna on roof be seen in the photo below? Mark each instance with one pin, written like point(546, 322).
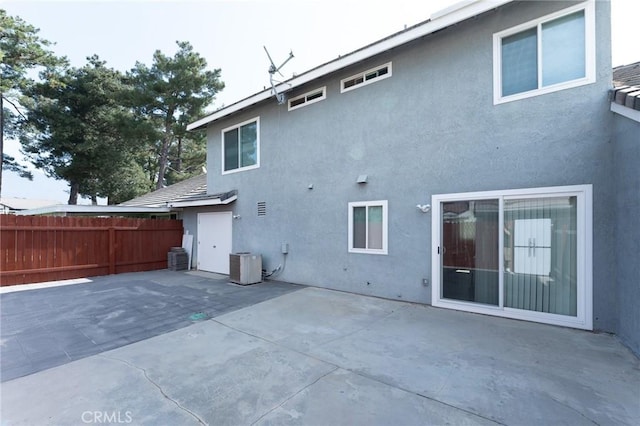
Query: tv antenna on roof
point(272, 70)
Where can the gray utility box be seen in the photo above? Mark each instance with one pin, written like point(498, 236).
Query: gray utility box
point(245, 268)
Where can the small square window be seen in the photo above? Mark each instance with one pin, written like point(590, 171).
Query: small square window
point(368, 227)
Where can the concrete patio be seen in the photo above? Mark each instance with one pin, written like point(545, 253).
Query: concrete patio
point(320, 357)
point(60, 323)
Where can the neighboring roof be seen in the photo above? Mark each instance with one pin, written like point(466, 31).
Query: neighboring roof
point(627, 75)
point(25, 203)
point(625, 96)
point(90, 210)
point(439, 20)
point(628, 96)
point(205, 200)
point(190, 192)
point(195, 186)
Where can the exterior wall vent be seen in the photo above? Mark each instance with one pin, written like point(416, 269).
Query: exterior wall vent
point(262, 208)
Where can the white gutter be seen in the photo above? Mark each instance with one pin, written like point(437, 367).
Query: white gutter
point(205, 202)
point(630, 113)
point(439, 20)
point(90, 209)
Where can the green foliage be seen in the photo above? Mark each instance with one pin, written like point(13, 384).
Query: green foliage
point(21, 50)
point(187, 158)
point(171, 93)
point(107, 134)
point(81, 132)
point(119, 183)
point(10, 163)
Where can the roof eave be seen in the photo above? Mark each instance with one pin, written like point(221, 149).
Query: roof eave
point(200, 203)
point(457, 13)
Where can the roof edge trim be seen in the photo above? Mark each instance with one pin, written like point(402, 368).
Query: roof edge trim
point(447, 17)
point(66, 208)
point(197, 203)
point(624, 111)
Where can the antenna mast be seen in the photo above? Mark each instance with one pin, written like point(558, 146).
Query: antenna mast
point(272, 70)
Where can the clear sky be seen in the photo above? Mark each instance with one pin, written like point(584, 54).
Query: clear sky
point(231, 34)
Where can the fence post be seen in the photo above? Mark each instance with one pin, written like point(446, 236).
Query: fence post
point(112, 250)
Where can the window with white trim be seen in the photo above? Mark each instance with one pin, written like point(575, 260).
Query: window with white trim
point(368, 227)
point(241, 146)
point(308, 98)
point(551, 53)
point(367, 77)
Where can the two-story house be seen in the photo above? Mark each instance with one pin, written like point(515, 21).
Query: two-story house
point(466, 162)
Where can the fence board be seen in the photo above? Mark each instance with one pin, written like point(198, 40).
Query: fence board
point(37, 248)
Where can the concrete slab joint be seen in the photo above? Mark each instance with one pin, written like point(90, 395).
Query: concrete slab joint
point(156, 385)
point(314, 356)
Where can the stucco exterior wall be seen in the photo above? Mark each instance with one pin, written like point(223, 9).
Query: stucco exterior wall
point(627, 231)
point(431, 128)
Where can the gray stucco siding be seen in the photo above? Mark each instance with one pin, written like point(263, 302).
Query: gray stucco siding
point(429, 129)
point(627, 231)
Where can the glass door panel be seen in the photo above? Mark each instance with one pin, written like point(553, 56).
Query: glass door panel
point(540, 254)
point(470, 251)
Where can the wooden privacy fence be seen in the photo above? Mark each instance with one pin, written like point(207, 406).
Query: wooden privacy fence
point(46, 248)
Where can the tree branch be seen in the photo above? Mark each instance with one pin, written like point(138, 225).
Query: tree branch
point(15, 107)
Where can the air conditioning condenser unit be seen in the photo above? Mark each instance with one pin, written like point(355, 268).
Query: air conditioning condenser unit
point(245, 268)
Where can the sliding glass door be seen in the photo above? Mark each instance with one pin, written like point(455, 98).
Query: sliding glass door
point(521, 254)
point(470, 251)
point(540, 255)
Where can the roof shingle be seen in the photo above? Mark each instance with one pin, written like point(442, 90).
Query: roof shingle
point(626, 83)
point(627, 75)
point(192, 187)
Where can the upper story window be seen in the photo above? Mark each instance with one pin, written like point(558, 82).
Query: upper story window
point(241, 146)
point(551, 53)
point(308, 98)
point(368, 227)
point(362, 79)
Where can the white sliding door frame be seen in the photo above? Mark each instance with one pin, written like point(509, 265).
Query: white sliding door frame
point(584, 226)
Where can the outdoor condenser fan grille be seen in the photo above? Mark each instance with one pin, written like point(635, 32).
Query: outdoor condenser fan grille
point(245, 268)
